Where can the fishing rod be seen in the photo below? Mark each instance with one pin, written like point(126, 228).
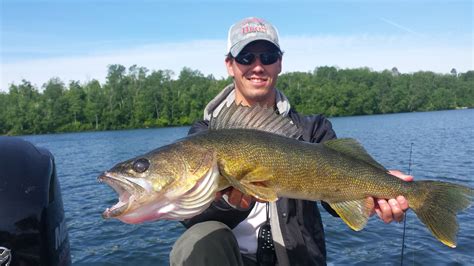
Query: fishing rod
point(405, 218)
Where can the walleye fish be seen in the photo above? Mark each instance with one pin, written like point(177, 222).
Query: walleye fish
point(256, 151)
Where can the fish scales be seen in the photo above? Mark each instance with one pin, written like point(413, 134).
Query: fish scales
point(299, 169)
point(180, 180)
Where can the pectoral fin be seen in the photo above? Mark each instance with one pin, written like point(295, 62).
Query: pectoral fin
point(260, 191)
point(253, 183)
point(222, 183)
point(354, 213)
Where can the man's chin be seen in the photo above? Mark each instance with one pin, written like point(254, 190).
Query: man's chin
point(264, 97)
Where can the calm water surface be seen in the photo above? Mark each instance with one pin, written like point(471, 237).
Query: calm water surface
point(443, 149)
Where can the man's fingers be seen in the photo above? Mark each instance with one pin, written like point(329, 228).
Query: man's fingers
point(218, 196)
point(403, 203)
point(235, 197)
point(392, 210)
point(397, 212)
point(385, 211)
point(372, 203)
point(401, 175)
point(379, 212)
point(245, 202)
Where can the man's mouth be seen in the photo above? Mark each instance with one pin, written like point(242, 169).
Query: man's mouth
point(256, 80)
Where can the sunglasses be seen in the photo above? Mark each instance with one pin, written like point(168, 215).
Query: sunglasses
point(267, 58)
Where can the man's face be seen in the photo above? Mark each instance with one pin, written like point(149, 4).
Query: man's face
point(255, 83)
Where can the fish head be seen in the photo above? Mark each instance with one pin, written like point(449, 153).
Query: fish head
point(174, 182)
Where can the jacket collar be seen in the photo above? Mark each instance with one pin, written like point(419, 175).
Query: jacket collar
point(227, 96)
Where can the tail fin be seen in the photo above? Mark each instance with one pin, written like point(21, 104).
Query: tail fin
point(436, 205)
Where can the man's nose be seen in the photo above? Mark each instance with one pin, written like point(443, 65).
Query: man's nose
point(257, 65)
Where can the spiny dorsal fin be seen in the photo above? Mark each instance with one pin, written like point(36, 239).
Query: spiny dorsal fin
point(354, 149)
point(256, 117)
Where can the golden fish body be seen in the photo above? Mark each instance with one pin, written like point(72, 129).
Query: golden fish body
point(179, 181)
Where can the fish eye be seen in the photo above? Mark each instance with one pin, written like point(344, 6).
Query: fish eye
point(141, 165)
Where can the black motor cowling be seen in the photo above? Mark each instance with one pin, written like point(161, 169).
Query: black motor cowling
point(32, 224)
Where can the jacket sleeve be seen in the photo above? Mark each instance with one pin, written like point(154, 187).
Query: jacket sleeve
point(198, 127)
point(218, 210)
point(318, 129)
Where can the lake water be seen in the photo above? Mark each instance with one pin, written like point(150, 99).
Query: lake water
point(443, 149)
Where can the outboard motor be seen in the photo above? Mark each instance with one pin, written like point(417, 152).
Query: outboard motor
point(32, 224)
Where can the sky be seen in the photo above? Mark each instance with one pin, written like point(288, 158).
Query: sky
point(78, 39)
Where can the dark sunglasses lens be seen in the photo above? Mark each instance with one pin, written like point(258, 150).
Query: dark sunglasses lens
point(269, 58)
point(266, 58)
point(245, 59)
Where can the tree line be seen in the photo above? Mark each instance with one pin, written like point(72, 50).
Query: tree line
point(138, 98)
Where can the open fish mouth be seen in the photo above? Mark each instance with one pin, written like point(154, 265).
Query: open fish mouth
point(126, 191)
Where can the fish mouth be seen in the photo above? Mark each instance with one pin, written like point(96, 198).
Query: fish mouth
point(127, 193)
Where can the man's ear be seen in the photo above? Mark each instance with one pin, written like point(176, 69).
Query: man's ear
point(280, 64)
point(228, 63)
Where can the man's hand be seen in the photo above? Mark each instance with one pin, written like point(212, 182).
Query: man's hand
point(393, 209)
point(235, 198)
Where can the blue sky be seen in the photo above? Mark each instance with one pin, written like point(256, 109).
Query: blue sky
point(76, 40)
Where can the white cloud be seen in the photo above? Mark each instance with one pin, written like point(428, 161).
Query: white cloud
point(407, 53)
point(302, 53)
point(206, 56)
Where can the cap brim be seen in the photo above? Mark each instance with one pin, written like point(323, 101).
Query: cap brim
point(238, 47)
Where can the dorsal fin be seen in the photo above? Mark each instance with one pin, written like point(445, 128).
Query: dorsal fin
point(354, 149)
point(237, 116)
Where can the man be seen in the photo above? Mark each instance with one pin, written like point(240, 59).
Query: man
point(226, 233)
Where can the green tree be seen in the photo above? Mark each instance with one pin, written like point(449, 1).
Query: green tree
point(465, 89)
point(22, 110)
point(116, 113)
point(76, 101)
point(3, 118)
point(95, 102)
point(136, 97)
point(54, 104)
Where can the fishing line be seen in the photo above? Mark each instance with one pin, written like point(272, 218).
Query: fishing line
point(405, 218)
